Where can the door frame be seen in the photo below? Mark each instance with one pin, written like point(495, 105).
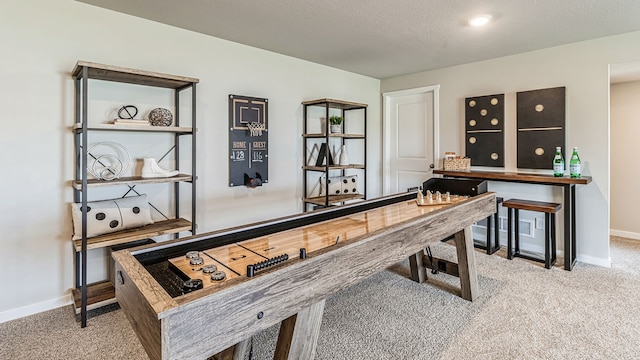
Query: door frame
point(386, 128)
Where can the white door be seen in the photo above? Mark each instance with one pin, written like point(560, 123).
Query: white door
point(410, 130)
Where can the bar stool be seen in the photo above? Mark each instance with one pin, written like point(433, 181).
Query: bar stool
point(496, 233)
point(549, 209)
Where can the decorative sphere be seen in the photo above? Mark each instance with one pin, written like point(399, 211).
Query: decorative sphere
point(160, 117)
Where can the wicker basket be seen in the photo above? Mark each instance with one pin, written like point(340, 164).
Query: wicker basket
point(457, 164)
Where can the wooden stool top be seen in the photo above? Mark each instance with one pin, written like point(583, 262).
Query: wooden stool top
point(541, 206)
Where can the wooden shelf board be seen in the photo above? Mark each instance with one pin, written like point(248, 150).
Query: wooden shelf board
point(333, 167)
point(131, 76)
point(131, 180)
point(516, 176)
point(346, 136)
point(338, 104)
point(98, 295)
point(146, 128)
point(320, 200)
point(124, 236)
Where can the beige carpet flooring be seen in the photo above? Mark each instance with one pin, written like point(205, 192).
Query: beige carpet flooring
point(524, 312)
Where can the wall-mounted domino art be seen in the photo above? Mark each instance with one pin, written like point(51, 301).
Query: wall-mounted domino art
point(484, 130)
point(541, 126)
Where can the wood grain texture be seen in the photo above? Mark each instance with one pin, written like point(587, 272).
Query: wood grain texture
point(235, 257)
point(417, 266)
point(333, 167)
point(97, 293)
point(516, 177)
point(334, 135)
point(195, 271)
point(131, 76)
point(120, 127)
point(226, 354)
point(443, 266)
point(131, 180)
point(466, 264)
point(152, 292)
point(540, 206)
point(298, 336)
point(230, 312)
point(142, 317)
point(124, 236)
point(242, 350)
point(337, 104)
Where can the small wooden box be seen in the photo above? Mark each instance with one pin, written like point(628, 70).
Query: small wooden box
point(457, 164)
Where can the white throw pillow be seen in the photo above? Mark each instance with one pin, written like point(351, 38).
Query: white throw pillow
point(340, 185)
point(107, 216)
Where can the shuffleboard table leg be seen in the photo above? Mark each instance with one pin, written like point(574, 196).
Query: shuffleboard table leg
point(418, 270)
point(226, 354)
point(298, 335)
point(466, 264)
point(239, 351)
point(242, 349)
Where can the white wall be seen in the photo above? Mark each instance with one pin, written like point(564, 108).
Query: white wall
point(625, 127)
point(583, 69)
point(41, 42)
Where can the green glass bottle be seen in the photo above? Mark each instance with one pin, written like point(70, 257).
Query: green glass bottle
point(574, 164)
point(558, 163)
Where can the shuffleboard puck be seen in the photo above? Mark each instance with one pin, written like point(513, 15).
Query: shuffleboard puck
point(192, 254)
point(192, 284)
point(196, 261)
point(218, 275)
point(208, 269)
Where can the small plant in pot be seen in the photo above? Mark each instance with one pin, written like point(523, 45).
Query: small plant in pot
point(335, 122)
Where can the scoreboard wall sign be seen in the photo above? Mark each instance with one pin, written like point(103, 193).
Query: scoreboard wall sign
point(248, 141)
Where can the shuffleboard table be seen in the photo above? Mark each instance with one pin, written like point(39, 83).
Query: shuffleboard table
point(281, 271)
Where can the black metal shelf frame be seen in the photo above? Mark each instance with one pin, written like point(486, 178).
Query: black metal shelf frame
point(81, 74)
point(344, 107)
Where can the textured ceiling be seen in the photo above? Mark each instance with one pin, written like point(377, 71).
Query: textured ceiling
point(382, 38)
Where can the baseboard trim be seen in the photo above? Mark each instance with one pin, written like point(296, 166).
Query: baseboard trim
point(594, 260)
point(539, 249)
point(625, 234)
point(34, 308)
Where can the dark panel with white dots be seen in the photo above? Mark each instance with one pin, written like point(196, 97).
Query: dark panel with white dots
point(484, 130)
point(541, 126)
point(536, 149)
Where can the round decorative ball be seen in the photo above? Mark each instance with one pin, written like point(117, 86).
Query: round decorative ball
point(160, 117)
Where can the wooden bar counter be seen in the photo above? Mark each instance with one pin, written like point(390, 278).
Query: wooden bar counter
point(567, 183)
point(343, 246)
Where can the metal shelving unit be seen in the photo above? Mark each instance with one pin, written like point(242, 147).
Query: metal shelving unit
point(88, 296)
point(331, 106)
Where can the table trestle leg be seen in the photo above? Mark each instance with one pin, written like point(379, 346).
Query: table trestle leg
point(466, 264)
point(298, 335)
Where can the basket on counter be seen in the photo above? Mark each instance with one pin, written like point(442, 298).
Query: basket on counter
point(457, 164)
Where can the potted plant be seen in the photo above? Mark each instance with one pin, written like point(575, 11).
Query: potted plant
point(336, 124)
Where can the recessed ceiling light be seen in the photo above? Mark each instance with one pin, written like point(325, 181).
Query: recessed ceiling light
point(480, 20)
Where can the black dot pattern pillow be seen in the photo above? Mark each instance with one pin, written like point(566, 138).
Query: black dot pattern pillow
point(340, 185)
point(111, 215)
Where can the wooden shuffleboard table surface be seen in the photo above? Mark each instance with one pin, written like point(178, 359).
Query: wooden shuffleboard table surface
point(233, 259)
point(344, 245)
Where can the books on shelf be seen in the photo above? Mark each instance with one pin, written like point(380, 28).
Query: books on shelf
point(131, 122)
